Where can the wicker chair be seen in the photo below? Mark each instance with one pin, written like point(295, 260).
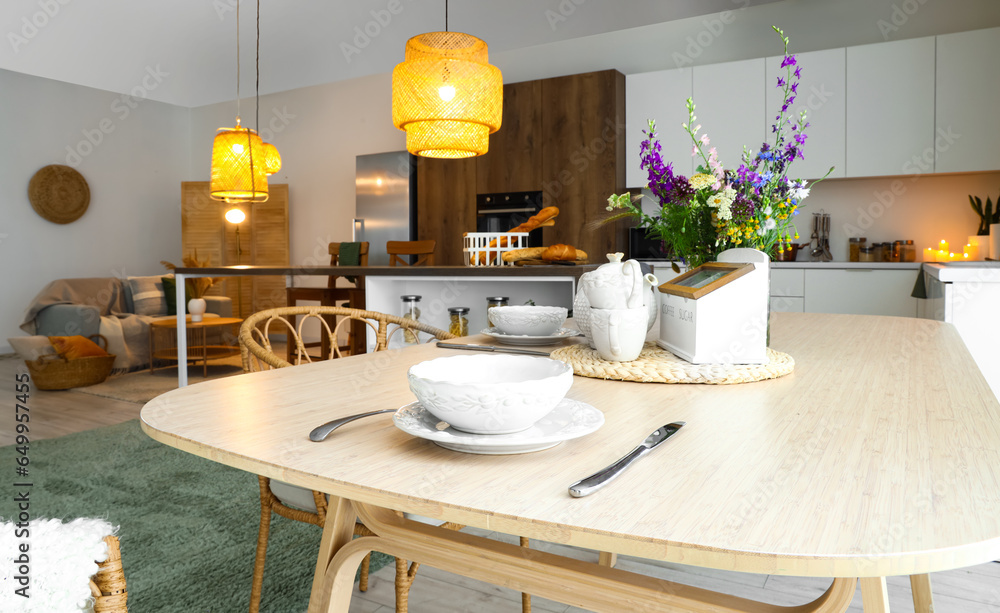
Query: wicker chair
point(108, 585)
point(257, 355)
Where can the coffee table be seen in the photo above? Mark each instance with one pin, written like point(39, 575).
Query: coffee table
point(876, 457)
point(197, 340)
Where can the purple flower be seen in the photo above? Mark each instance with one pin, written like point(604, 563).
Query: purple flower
point(781, 82)
point(791, 100)
point(795, 87)
point(789, 61)
point(800, 139)
point(798, 70)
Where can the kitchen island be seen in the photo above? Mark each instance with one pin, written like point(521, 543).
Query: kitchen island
point(440, 287)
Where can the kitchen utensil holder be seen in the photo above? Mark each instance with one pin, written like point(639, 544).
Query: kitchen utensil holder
point(487, 248)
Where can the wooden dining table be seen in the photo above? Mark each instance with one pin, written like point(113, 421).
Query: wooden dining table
point(879, 455)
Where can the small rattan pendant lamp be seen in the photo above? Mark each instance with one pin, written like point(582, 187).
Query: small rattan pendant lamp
point(446, 95)
point(238, 168)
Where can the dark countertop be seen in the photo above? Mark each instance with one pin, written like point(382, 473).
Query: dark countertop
point(393, 271)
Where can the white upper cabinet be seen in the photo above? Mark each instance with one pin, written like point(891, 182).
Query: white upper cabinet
point(967, 135)
point(730, 107)
point(890, 108)
point(660, 96)
point(821, 93)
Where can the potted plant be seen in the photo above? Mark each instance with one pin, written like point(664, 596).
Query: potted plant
point(196, 287)
point(987, 216)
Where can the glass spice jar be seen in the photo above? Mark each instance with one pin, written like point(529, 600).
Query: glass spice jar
point(411, 310)
point(897, 251)
point(867, 254)
point(854, 248)
point(459, 325)
point(494, 301)
point(886, 251)
point(909, 252)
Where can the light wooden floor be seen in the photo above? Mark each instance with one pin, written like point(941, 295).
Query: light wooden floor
point(970, 590)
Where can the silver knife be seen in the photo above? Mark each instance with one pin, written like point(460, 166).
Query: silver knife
point(491, 348)
point(604, 476)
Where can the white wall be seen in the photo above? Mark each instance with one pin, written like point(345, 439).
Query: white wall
point(318, 131)
point(134, 176)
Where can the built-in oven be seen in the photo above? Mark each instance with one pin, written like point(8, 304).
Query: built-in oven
point(501, 212)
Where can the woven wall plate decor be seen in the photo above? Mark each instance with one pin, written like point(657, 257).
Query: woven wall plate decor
point(59, 194)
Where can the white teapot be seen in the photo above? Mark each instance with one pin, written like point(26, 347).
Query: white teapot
point(615, 285)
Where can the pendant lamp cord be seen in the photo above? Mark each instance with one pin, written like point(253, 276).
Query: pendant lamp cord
point(237, 61)
point(256, 124)
point(253, 176)
point(445, 15)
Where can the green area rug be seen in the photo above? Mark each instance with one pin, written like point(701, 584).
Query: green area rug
point(188, 525)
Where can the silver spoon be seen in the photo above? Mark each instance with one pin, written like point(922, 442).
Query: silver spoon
point(321, 432)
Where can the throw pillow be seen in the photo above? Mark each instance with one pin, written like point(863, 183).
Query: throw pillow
point(170, 292)
point(73, 347)
point(148, 297)
point(31, 347)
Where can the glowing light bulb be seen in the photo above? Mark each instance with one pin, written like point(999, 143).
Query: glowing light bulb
point(446, 92)
point(238, 149)
point(378, 182)
point(235, 215)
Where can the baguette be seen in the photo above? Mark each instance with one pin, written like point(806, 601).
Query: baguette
point(552, 254)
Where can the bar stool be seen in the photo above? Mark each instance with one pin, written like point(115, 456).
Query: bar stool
point(424, 250)
point(331, 295)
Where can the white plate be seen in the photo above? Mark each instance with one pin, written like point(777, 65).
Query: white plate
point(570, 419)
point(524, 339)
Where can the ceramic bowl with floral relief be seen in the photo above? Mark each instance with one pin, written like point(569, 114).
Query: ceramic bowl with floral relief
point(528, 320)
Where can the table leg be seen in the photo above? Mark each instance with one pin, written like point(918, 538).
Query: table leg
point(204, 352)
point(923, 600)
point(337, 532)
point(182, 372)
point(151, 349)
point(874, 596)
point(607, 559)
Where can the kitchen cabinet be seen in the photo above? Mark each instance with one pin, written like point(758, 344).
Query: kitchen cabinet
point(573, 134)
point(787, 293)
point(860, 291)
point(890, 108)
point(446, 205)
point(512, 163)
point(730, 108)
point(583, 158)
point(263, 241)
point(822, 94)
point(967, 126)
point(661, 96)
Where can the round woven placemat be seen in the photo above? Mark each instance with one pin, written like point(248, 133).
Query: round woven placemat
point(59, 193)
point(657, 365)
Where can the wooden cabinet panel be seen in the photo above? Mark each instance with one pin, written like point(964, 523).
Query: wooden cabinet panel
point(446, 196)
point(512, 163)
point(583, 158)
point(263, 240)
point(659, 96)
point(967, 124)
point(890, 108)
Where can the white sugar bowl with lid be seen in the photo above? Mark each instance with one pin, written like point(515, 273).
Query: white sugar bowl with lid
point(490, 394)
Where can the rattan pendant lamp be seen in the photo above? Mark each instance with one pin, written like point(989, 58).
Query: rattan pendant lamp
point(238, 167)
point(446, 95)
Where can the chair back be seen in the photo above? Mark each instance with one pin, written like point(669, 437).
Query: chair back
point(107, 586)
point(334, 251)
point(424, 250)
point(255, 344)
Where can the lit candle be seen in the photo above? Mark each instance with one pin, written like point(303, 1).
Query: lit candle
point(971, 252)
point(942, 256)
point(943, 246)
point(952, 257)
point(974, 240)
point(930, 255)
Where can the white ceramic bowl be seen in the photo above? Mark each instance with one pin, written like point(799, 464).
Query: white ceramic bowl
point(490, 394)
point(528, 320)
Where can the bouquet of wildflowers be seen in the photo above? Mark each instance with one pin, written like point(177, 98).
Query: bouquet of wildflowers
point(718, 209)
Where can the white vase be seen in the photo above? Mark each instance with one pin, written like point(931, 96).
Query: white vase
point(994, 247)
point(196, 308)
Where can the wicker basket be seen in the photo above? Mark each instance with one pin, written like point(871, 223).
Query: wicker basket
point(54, 372)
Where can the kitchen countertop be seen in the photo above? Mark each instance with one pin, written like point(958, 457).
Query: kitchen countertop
point(393, 271)
point(965, 272)
point(827, 265)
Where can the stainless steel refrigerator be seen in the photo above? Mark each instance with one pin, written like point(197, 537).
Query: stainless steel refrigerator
point(385, 205)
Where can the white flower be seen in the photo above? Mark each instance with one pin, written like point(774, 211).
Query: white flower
point(701, 180)
point(770, 224)
point(797, 190)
